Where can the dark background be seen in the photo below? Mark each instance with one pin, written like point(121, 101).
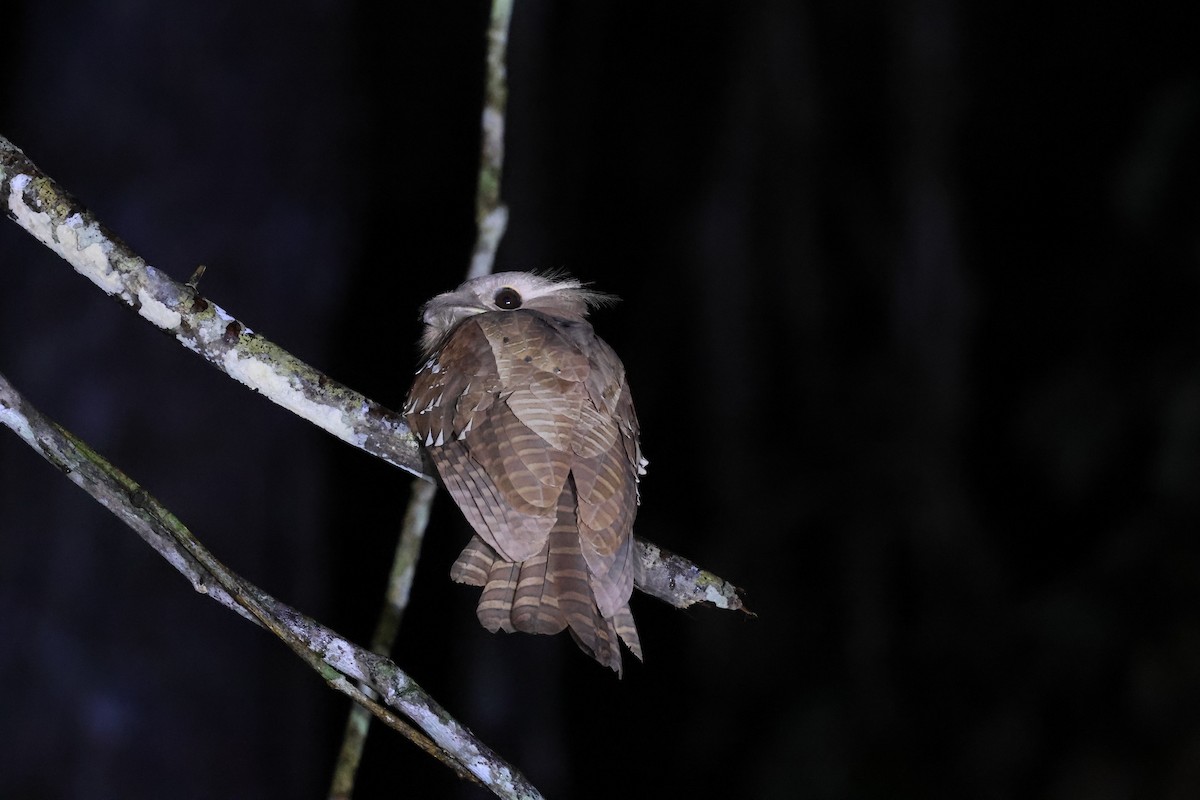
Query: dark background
point(910, 315)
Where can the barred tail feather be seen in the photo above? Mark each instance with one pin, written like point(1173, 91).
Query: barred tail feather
point(547, 593)
point(474, 563)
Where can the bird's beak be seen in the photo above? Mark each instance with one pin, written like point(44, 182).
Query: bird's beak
point(449, 305)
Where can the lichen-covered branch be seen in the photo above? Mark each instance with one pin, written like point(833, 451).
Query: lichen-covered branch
point(40, 206)
point(681, 583)
point(338, 660)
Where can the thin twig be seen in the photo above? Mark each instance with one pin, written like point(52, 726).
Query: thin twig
point(491, 215)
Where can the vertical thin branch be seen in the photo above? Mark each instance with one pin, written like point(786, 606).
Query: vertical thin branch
point(491, 215)
point(404, 566)
point(491, 219)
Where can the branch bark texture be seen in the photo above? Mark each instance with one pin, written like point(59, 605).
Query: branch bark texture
point(36, 203)
point(44, 209)
point(49, 213)
point(339, 661)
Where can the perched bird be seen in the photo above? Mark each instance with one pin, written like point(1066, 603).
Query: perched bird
point(527, 417)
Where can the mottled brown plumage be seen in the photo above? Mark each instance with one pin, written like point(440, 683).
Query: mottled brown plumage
point(526, 414)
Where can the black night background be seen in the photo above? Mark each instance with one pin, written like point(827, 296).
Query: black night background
point(909, 307)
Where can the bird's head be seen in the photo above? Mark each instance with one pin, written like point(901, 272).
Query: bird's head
point(556, 295)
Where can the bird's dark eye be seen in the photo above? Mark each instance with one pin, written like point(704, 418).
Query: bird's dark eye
point(507, 298)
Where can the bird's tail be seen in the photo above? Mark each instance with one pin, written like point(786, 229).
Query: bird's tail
point(547, 593)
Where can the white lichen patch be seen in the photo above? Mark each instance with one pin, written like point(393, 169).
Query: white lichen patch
point(455, 740)
point(188, 341)
point(82, 245)
point(36, 222)
point(263, 376)
point(87, 249)
point(342, 656)
point(157, 312)
point(714, 596)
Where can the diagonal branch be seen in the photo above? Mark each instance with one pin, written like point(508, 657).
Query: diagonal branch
point(40, 206)
point(337, 660)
